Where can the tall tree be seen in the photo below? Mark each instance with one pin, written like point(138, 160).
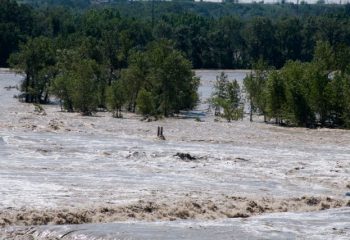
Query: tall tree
point(135, 77)
point(226, 97)
point(116, 98)
point(255, 86)
point(77, 82)
point(174, 85)
point(275, 96)
point(170, 79)
point(36, 59)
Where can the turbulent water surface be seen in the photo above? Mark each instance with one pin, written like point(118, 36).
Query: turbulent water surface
point(116, 180)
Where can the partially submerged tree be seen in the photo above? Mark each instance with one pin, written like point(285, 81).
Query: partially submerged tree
point(84, 77)
point(77, 83)
point(171, 80)
point(116, 98)
point(36, 59)
point(158, 81)
point(145, 103)
point(311, 94)
point(134, 78)
point(226, 98)
point(275, 96)
point(255, 84)
point(298, 109)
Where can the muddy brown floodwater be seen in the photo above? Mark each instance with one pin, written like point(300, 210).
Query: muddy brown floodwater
point(113, 179)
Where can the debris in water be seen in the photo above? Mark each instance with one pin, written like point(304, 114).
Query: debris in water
point(160, 133)
point(185, 156)
point(242, 159)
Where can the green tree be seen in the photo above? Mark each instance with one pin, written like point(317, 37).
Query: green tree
point(172, 82)
point(275, 96)
point(338, 95)
point(84, 77)
point(318, 80)
point(145, 103)
point(324, 56)
point(226, 97)
point(36, 59)
point(110, 49)
point(342, 57)
point(298, 108)
point(77, 83)
point(116, 98)
point(62, 85)
point(255, 86)
point(135, 76)
point(221, 86)
point(345, 117)
point(61, 88)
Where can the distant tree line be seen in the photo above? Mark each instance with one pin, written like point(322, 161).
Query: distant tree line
point(210, 35)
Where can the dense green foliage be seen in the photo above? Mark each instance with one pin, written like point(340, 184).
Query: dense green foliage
point(211, 35)
point(163, 78)
point(36, 59)
point(255, 88)
point(307, 94)
point(157, 81)
point(16, 23)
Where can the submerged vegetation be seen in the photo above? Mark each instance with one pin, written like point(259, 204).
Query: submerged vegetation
point(226, 98)
point(138, 56)
point(308, 94)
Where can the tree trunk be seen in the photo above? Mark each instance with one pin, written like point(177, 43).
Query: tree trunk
point(251, 111)
point(110, 76)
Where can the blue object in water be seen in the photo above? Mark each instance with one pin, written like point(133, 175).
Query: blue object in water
point(347, 194)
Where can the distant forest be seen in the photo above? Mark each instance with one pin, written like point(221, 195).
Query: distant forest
point(138, 56)
point(211, 35)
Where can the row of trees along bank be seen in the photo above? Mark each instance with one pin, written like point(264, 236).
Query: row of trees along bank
point(308, 94)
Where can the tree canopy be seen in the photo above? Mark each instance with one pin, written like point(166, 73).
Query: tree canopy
point(211, 35)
